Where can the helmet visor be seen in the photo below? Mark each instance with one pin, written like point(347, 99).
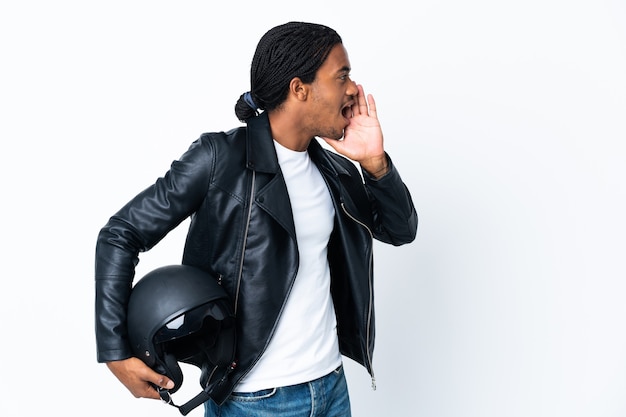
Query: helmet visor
point(195, 329)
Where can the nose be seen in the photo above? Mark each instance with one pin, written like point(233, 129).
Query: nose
point(352, 90)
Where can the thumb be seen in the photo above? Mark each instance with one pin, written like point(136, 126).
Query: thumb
point(166, 383)
point(160, 380)
point(336, 144)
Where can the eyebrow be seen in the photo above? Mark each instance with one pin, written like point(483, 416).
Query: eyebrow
point(345, 68)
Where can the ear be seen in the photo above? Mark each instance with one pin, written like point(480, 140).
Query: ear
point(298, 89)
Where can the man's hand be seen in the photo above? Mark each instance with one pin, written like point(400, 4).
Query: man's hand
point(363, 137)
point(137, 376)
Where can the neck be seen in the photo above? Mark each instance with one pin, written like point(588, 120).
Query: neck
point(288, 131)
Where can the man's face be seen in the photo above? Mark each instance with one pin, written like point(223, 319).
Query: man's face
point(332, 94)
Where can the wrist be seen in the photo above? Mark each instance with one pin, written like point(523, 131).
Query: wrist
point(376, 167)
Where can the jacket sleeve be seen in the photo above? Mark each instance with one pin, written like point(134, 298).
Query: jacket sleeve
point(395, 217)
point(135, 228)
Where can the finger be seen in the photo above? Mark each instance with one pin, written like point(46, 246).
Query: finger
point(372, 106)
point(360, 106)
point(150, 392)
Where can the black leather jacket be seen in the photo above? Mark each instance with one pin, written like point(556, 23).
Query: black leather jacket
point(242, 232)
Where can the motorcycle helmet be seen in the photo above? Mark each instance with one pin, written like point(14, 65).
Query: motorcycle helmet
point(179, 313)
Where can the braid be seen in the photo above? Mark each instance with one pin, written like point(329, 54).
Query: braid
point(294, 49)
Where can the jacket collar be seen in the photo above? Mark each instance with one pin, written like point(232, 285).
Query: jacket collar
point(261, 154)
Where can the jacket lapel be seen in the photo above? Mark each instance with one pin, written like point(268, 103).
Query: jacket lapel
point(270, 189)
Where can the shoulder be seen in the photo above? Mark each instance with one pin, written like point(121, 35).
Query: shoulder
point(210, 144)
point(221, 138)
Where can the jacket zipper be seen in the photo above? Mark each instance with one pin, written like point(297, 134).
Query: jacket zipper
point(371, 290)
point(369, 310)
point(241, 269)
point(245, 238)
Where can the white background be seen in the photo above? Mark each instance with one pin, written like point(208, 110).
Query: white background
point(505, 118)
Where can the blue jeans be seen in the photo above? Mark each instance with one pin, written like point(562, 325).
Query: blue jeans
point(326, 396)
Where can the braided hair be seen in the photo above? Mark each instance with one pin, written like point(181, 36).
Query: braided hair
point(294, 49)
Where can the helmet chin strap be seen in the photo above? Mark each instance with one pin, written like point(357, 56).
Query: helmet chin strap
point(202, 397)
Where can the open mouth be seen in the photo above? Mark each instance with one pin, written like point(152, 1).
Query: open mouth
point(346, 111)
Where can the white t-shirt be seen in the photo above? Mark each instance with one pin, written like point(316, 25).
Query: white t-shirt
point(304, 346)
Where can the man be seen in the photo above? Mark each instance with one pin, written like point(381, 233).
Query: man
point(285, 226)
